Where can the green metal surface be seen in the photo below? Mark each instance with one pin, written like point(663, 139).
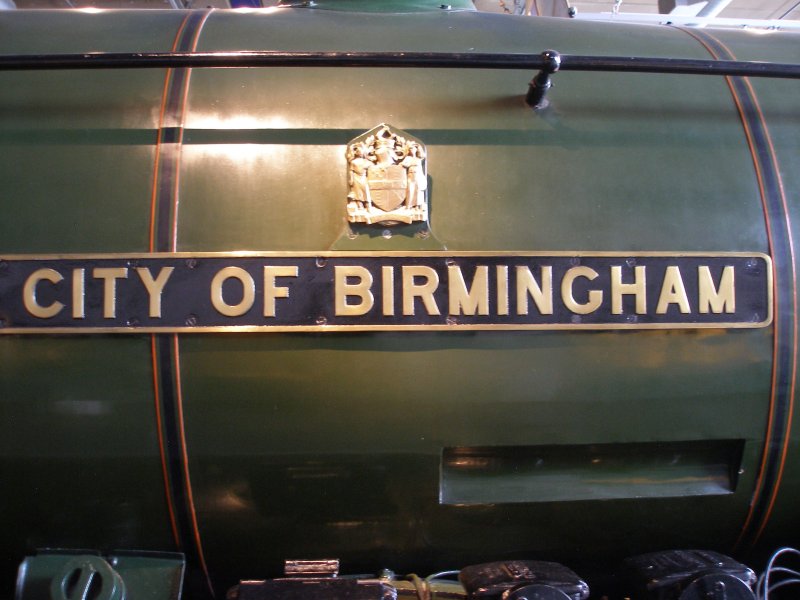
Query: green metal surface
point(312, 445)
point(384, 6)
point(77, 415)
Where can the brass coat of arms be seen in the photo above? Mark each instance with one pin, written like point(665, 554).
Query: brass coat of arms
point(387, 177)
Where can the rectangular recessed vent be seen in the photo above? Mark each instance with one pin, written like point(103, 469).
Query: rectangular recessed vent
point(514, 474)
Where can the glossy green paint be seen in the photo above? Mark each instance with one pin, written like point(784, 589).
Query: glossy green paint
point(77, 413)
point(384, 6)
point(310, 445)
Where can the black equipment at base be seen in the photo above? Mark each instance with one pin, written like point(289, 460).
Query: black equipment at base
point(688, 575)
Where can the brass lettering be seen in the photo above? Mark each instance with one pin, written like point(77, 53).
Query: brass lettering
point(595, 296)
point(387, 279)
point(155, 287)
point(502, 289)
point(424, 291)
point(109, 275)
point(273, 291)
point(29, 294)
point(672, 292)
point(713, 298)
point(248, 292)
point(637, 289)
point(362, 290)
point(78, 293)
point(527, 286)
point(472, 301)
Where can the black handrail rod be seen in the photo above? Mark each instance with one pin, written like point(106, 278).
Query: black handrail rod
point(446, 60)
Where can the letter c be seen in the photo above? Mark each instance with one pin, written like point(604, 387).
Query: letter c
point(29, 294)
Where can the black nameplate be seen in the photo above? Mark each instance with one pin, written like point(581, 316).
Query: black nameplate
point(382, 291)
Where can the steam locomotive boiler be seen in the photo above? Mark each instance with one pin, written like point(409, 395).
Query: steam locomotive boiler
point(310, 283)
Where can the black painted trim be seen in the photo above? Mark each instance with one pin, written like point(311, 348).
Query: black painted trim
point(170, 140)
point(784, 283)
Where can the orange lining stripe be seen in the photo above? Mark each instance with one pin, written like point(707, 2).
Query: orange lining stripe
point(185, 93)
point(153, 353)
point(176, 346)
point(154, 190)
point(790, 239)
point(762, 192)
point(160, 431)
point(185, 458)
point(759, 489)
point(790, 415)
point(782, 194)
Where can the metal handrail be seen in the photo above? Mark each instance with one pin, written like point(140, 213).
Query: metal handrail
point(546, 63)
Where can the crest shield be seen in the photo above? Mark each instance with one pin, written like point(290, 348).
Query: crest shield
point(388, 186)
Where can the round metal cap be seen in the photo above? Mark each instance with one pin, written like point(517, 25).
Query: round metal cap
point(536, 591)
point(717, 586)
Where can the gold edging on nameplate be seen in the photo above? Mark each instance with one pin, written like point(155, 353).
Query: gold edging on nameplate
point(444, 255)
